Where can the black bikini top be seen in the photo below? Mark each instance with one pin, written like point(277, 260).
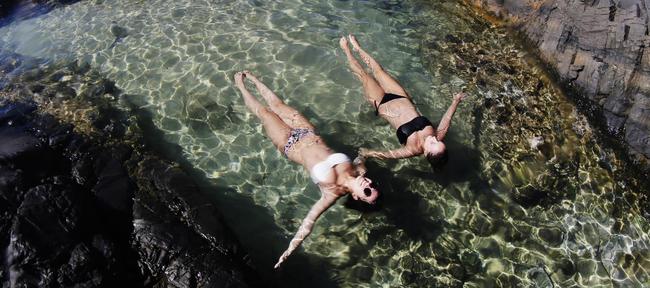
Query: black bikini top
point(408, 128)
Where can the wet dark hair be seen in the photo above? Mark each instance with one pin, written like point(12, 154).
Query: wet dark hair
point(438, 161)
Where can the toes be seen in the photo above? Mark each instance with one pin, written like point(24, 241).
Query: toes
point(239, 77)
point(249, 75)
point(352, 39)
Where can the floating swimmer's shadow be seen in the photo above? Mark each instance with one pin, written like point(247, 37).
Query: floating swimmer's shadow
point(253, 225)
point(464, 163)
point(398, 203)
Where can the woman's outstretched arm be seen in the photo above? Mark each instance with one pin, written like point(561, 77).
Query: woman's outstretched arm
point(443, 127)
point(399, 153)
point(326, 200)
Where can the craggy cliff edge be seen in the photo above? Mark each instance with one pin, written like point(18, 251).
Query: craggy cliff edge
point(599, 49)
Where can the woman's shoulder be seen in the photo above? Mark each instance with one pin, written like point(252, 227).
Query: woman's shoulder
point(329, 190)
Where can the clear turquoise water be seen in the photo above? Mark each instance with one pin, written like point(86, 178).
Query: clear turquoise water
point(467, 225)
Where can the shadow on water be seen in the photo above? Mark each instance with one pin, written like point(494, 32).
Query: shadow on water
point(400, 204)
point(262, 238)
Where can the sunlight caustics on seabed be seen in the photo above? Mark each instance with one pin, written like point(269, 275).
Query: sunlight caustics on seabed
point(506, 210)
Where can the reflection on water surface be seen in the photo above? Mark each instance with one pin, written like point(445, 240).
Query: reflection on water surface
point(529, 197)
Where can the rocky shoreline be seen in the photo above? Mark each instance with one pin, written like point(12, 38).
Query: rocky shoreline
point(91, 205)
point(598, 51)
point(16, 10)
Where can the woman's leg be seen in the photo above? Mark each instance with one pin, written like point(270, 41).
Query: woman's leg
point(388, 83)
point(373, 91)
point(275, 128)
point(289, 115)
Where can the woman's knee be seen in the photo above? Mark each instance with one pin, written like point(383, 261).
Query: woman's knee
point(264, 112)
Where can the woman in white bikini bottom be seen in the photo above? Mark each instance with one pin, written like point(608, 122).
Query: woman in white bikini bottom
point(294, 135)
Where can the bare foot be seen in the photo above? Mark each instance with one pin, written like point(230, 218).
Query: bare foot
point(343, 42)
point(364, 56)
point(239, 80)
point(250, 76)
point(355, 44)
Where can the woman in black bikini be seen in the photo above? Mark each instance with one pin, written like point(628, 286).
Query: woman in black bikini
point(414, 131)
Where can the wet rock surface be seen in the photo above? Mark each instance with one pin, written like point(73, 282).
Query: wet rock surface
point(56, 232)
point(11, 10)
point(600, 49)
point(86, 204)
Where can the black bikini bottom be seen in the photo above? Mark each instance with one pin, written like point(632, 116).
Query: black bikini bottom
point(387, 98)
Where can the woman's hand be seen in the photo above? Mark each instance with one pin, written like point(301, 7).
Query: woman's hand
point(363, 154)
point(359, 160)
point(459, 96)
point(284, 256)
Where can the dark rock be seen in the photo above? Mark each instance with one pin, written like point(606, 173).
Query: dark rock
point(15, 10)
point(567, 267)
point(453, 39)
point(99, 89)
point(48, 219)
point(529, 196)
point(82, 171)
point(363, 273)
point(60, 136)
point(17, 143)
point(540, 277)
point(36, 88)
point(110, 121)
point(638, 124)
point(118, 31)
point(179, 192)
point(10, 179)
point(46, 223)
point(8, 61)
point(175, 255)
point(471, 261)
point(113, 187)
point(79, 67)
point(614, 123)
point(552, 236)
point(68, 216)
point(11, 114)
point(8, 6)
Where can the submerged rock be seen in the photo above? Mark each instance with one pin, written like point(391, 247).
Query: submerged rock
point(16, 143)
point(120, 33)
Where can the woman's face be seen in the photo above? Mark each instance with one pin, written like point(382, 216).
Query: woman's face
point(364, 190)
point(433, 147)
